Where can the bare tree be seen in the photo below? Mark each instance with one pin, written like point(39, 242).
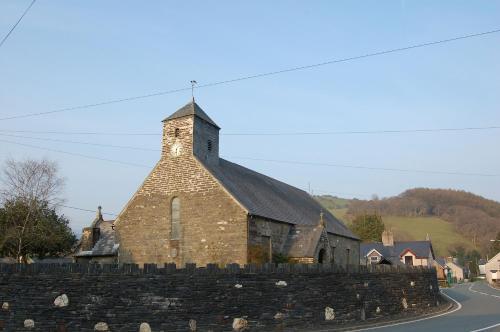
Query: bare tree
point(30, 184)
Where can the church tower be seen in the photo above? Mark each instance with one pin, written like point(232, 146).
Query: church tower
point(190, 131)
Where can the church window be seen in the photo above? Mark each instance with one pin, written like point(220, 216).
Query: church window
point(321, 256)
point(175, 229)
point(209, 145)
point(176, 132)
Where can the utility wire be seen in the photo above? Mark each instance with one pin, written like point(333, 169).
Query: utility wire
point(269, 160)
point(15, 25)
point(244, 78)
point(75, 154)
point(269, 133)
point(79, 133)
point(395, 131)
point(82, 143)
point(245, 158)
point(368, 167)
point(87, 210)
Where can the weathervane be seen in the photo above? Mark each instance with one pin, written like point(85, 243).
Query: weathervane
point(193, 83)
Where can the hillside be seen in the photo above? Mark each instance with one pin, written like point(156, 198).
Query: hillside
point(452, 218)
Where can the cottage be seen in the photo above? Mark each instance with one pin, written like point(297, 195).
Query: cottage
point(449, 264)
point(195, 207)
point(492, 269)
point(413, 253)
point(98, 243)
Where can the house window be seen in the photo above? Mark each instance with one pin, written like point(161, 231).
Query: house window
point(175, 227)
point(176, 132)
point(333, 255)
point(209, 145)
point(409, 260)
point(374, 259)
point(348, 254)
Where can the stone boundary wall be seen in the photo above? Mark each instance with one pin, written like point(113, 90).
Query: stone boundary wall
point(72, 297)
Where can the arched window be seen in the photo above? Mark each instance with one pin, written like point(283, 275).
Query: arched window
point(321, 256)
point(175, 226)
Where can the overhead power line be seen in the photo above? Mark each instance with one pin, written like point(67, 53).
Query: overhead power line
point(15, 25)
point(368, 167)
point(88, 210)
point(75, 154)
point(127, 147)
point(96, 133)
point(268, 133)
point(268, 160)
point(390, 131)
point(244, 78)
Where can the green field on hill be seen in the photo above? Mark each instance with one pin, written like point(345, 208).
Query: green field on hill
point(399, 214)
point(441, 232)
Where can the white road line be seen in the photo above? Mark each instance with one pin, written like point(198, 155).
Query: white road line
point(459, 306)
point(486, 328)
point(482, 293)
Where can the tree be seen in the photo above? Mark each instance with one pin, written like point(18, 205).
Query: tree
point(495, 245)
point(48, 234)
point(369, 227)
point(30, 193)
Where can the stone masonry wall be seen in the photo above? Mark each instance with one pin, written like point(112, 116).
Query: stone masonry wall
point(76, 297)
point(213, 224)
point(279, 233)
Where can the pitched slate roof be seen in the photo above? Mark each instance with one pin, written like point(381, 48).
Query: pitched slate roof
point(303, 240)
point(106, 245)
point(422, 249)
point(191, 108)
point(441, 261)
point(266, 197)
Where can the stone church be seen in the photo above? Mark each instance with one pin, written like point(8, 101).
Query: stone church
point(195, 207)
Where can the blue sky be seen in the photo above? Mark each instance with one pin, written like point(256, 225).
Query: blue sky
point(68, 53)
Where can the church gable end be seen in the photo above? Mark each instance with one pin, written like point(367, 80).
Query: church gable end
point(181, 214)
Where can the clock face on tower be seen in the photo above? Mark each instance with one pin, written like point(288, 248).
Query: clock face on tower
point(176, 150)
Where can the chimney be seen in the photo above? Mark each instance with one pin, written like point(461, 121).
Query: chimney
point(90, 235)
point(99, 213)
point(388, 238)
point(86, 240)
point(96, 231)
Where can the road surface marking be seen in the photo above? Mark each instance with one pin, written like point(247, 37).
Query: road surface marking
point(459, 306)
point(486, 328)
point(482, 293)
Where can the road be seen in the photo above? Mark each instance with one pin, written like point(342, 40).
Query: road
point(478, 310)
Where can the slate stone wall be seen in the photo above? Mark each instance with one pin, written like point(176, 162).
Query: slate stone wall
point(169, 299)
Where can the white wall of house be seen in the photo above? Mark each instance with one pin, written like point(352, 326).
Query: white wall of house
point(417, 261)
point(492, 269)
point(456, 271)
point(482, 269)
